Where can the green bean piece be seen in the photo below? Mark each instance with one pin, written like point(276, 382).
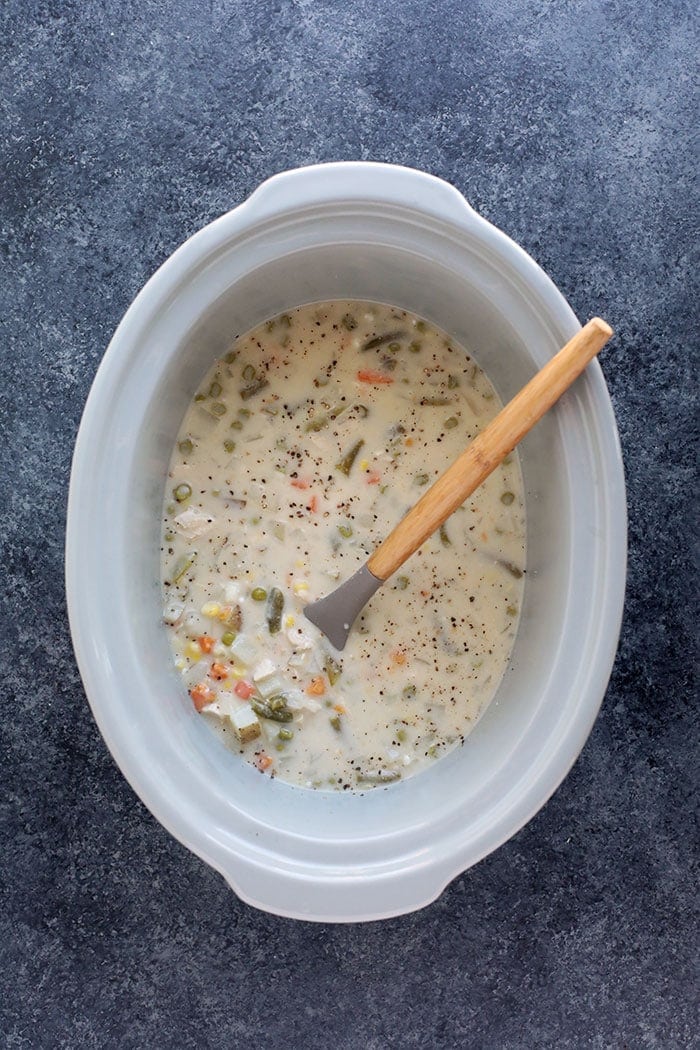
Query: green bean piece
point(345, 464)
point(415, 347)
point(314, 425)
point(333, 669)
point(507, 498)
point(335, 722)
point(380, 340)
point(345, 531)
point(511, 568)
point(338, 410)
point(451, 423)
point(402, 582)
point(258, 594)
point(231, 357)
point(228, 638)
point(263, 710)
point(381, 776)
point(275, 605)
point(218, 409)
point(229, 445)
point(277, 702)
point(444, 538)
point(348, 322)
point(409, 691)
point(435, 402)
point(286, 734)
point(182, 492)
point(422, 479)
point(183, 564)
point(248, 372)
point(236, 425)
point(452, 382)
point(253, 388)
point(215, 389)
point(185, 446)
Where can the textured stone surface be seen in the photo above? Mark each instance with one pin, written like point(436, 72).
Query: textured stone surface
point(127, 126)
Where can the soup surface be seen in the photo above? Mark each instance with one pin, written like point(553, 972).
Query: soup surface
point(304, 446)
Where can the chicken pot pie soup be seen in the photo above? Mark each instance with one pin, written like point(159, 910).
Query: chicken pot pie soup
point(302, 448)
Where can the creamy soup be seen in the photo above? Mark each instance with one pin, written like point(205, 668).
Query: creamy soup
point(302, 449)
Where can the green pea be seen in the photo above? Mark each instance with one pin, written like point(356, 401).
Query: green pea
point(401, 735)
point(345, 531)
point(286, 734)
point(228, 638)
point(507, 498)
point(415, 347)
point(258, 594)
point(182, 492)
point(236, 425)
point(185, 446)
point(451, 423)
point(394, 347)
point(421, 326)
point(218, 408)
point(229, 445)
point(422, 479)
point(215, 389)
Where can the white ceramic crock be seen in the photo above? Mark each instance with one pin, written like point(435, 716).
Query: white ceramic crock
point(366, 231)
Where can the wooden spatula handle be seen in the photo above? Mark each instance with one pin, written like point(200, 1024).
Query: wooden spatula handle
point(489, 449)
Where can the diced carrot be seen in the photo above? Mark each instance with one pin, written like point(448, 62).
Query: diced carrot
point(202, 695)
point(484, 536)
point(219, 671)
point(408, 442)
point(262, 761)
point(244, 689)
point(313, 504)
point(371, 375)
point(373, 478)
point(398, 656)
point(299, 483)
point(317, 686)
point(340, 709)
point(206, 644)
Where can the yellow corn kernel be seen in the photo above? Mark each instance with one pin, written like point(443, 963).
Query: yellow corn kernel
point(300, 586)
point(180, 664)
point(364, 464)
point(289, 620)
point(192, 651)
point(211, 609)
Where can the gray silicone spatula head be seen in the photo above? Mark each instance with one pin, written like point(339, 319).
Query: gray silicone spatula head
point(336, 613)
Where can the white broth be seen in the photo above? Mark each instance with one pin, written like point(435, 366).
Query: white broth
point(304, 446)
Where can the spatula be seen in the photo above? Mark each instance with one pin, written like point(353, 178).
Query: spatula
point(336, 613)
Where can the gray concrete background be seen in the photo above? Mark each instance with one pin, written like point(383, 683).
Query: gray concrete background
point(127, 126)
